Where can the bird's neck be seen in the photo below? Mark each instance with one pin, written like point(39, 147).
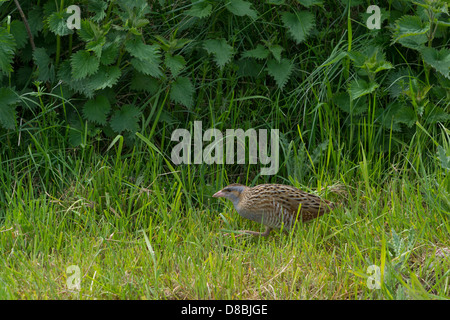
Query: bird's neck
point(238, 198)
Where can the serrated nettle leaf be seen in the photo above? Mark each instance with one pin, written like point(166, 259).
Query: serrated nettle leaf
point(41, 57)
point(342, 100)
point(80, 86)
point(110, 52)
point(280, 71)
point(406, 115)
point(241, 8)
point(147, 58)
point(435, 6)
point(106, 77)
point(8, 117)
point(388, 116)
point(371, 60)
point(49, 7)
point(415, 90)
point(172, 44)
point(360, 87)
point(422, 94)
point(442, 7)
point(299, 24)
point(385, 65)
point(8, 98)
point(140, 23)
point(83, 64)
point(57, 23)
point(374, 53)
point(177, 44)
point(414, 42)
point(260, 52)
point(200, 10)
point(141, 82)
point(19, 32)
point(220, 49)
point(358, 58)
point(355, 107)
point(164, 44)
point(174, 63)
point(135, 31)
point(86, 32)
point(142, 51)
point(377, 60)
point(410, 26)
point(97, 110)
point(132, 11)
point(7, 48)
point(96, 46)
point(276, 51)
point(359, 106)
point(36, 20)
point(182, 91)
point(125, 119)
point(65, 71)
point(146, 67)
point(45, 65)
point(398, 245)
point(399, 82)
point(438, 59)
point(434, 114)
point(98, 7)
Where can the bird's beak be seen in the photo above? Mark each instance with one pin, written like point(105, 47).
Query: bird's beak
point(218, 194)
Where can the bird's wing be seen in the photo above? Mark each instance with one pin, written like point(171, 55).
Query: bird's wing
point(311, 206)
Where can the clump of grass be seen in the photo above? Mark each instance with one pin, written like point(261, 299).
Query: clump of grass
point(132, 234)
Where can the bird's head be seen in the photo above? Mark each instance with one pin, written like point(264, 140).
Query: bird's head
point(231, 192)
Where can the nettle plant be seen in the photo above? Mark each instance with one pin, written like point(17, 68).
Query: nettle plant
point(135, 63)
point(423, 97)
point(108, 47)
point(416, 88)
point(160, 50)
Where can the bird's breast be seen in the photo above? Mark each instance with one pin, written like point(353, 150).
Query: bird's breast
point(251, 214)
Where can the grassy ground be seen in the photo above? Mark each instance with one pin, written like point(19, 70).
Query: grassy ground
point(135, 226)
point(133, 233)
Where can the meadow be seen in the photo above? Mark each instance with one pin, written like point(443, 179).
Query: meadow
point(89, 191)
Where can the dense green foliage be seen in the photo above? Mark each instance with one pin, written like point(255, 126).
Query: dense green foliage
point(86, 117)
point(130, 54)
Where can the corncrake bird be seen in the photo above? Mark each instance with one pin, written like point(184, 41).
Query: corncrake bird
point(274, 205)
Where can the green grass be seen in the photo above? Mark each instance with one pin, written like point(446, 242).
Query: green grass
point(139, 227)
point(126, 223)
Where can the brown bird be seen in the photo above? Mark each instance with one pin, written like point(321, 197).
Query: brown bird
point(274, 205)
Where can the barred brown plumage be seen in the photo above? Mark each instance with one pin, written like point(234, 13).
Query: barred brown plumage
point(274, 205)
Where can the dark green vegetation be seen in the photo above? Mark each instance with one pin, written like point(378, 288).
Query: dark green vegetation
point(86, 119)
